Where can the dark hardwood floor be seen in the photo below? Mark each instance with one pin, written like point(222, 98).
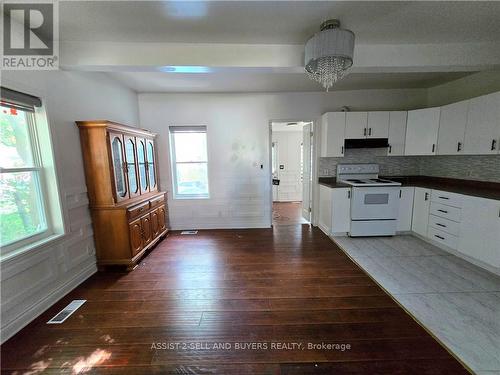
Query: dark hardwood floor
point(288, 213)
point(284, 286)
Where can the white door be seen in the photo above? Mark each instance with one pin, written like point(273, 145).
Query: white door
point(341, 211)
point(422, 131)
point(421, 205)
point(480, 230)
point(332, 134)
point(482, 132)
point(452, 124)
point(397, 133)
point(378, 124)
point(306, 171)
point(289, 169)
point(405, 209)
point(274, 168)
point(356, 125)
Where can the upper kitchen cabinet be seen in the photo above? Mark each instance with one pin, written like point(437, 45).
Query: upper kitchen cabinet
point(356, 125)
point(378, 124)
point(482, 133)
point(397, 133)
point(452, 125)
point(333, 134)
point(422, 131)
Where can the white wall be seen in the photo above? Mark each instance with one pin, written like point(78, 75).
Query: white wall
point(238, 143)
point(34, 280)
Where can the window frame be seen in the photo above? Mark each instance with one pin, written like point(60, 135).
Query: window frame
point(41, 188)
point(174, 162)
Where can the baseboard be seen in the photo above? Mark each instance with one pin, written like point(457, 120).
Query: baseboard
point(40, 306)
point(219, 226)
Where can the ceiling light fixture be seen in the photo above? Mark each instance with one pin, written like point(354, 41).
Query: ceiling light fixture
point(328, 53)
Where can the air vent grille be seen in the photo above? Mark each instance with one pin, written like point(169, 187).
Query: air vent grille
point(189, 232)
point(67, 311)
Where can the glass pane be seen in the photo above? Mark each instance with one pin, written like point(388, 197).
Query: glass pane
point(141, 155)
point(192, 179)
point(121, 189)
point(21, 207)
point(130, 157)
point(151, 165)
point(190, 147)
point(15, 146)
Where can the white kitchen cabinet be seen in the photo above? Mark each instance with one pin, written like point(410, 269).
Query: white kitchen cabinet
point(356, 125)
point(325, 209)
point(482, 133)
point(332, 134)
point(421, 205)
point(341, 211)
point(397, 133)
point(378, 124)
point(452, 123)
point(480, 230)
point(422, 131)
point(405, 209)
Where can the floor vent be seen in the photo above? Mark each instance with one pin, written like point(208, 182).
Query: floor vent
point(189, 232)
point(67, 311)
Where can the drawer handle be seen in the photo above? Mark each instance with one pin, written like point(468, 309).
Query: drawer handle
point(444, 197)
point(439, 236)
point(441, 225)
point(443, 211)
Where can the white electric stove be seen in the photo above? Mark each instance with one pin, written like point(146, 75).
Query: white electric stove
point(374, 201)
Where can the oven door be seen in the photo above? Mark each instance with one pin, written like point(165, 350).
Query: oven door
point(372, 203)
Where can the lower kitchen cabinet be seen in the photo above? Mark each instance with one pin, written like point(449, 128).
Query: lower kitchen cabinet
point(405, 209)
point(480, 230)
point(421, 205)
point(325, 209)
point(341, 211)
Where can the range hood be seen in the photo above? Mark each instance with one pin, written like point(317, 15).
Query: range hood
point(367, 143)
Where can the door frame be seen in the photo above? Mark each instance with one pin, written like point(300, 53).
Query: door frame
point(314, 169)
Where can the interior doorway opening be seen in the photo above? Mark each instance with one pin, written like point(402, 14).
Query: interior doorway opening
point(291, 168)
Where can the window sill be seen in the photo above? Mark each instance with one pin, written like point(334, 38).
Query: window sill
point(42, 243)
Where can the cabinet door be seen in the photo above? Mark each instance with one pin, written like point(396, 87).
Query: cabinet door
point(378, 124)
point(162, 218)
point(356, 125)
point(397, 133)
point(142, 165)
point(341, 210)
point(147, 230)
point(119, 167)
point(151, 165)
point(422, 131)
point(131, 165)
point(135, 233)
point(155, 223)
point(333, 134)
point(482, 132)
point(325, 209)
point(480, 230)
point(405, 209)
point(452, 124)
point(421, 204)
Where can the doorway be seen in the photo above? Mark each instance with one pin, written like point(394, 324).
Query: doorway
point(291, 166)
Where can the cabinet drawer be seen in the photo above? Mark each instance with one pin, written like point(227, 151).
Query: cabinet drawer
point(448, 212)
point(138, 210)
point(443, 237)
point(449, 199)
point(157, 201)
point(444, 225)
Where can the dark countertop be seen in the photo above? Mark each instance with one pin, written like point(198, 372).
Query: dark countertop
point(490, 190)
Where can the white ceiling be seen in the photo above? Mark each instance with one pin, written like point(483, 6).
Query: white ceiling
point(292, 22)
point(273, 82)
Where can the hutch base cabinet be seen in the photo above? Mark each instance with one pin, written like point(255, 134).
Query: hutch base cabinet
point(129, 214)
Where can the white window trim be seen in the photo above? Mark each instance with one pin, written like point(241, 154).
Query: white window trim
point(173, 167)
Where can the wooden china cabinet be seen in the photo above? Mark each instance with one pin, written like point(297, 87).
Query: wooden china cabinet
point(129, 214)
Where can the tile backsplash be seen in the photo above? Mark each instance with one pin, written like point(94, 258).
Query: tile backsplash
point(471, 167)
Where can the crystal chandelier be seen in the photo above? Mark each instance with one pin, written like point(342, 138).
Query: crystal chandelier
point(328, 53)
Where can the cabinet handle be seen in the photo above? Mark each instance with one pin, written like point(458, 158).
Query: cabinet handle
point(390, 149)
point(439, 236)
point(433, 147)
point(426, 197)
point(400, 193)
point(348, 194)
point(369, 131)
point(342, 150)
point(444, 197)
point(441, 225)
point(443, 211)
point(493, 144)
point(459, 146)
point(364, 132)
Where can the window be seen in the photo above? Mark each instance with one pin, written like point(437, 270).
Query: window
point(188, 150)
